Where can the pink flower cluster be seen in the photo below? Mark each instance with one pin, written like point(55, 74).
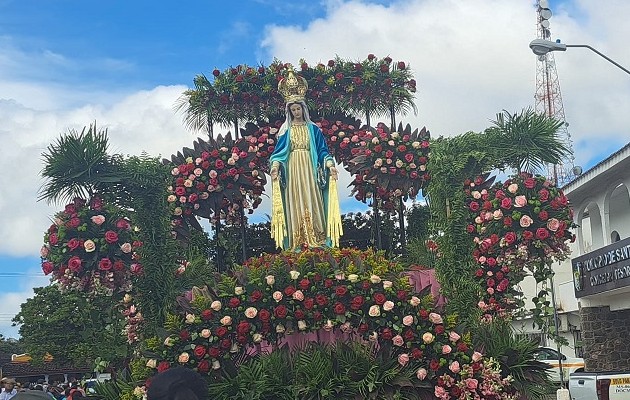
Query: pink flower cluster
point(479, 380)
point(91, 248)
point(518, 226)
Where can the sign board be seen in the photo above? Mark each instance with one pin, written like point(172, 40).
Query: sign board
point(602, 270)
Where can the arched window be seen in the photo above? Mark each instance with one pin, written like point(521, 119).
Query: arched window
point(614, 237)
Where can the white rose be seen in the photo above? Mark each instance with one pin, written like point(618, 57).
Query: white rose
point(301, 325)
point(257, 337)
point(183, 358)
point(216, 364)
point(375, 279)
point(239, 290)
point(294, 274)
point(277, 296)
point(216, 305)
point(169, 341)
point(353, 278)
point(374, 311)
point(280, 328)
point(388, 305)
point(414, 301)
point(205, 333)
point(190, 318)
point(152, 363)
point(251, 312)
point(127, 298)
point(387, 284)
point(225, 321)
point(270, 280)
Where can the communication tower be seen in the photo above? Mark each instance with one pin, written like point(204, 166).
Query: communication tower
point(549, 98)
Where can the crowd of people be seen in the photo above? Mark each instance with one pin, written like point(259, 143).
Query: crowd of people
point(10, 389)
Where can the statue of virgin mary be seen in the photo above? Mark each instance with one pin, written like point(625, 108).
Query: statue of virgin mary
point(305, 203)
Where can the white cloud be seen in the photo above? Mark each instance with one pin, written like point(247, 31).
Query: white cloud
point(471, 59)
point(11, 301)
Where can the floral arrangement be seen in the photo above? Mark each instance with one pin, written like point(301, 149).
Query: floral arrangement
point(520, 225)
point(373, 86)
point(217, 178)
point(357, 293)
point(91, 247)
point(133, 319)
point(394, 162)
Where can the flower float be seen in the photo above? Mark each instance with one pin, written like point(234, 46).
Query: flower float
point(359, 294)
point(91, 247)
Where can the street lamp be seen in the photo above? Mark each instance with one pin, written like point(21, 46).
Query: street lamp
point(540, 47)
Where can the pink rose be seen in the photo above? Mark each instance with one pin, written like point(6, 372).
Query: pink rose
point(421, 373)
point(398, 340)
point(403, 359)
point(520, 201)
point(476, 356)
point(553, 224)
point(513, 188)
point(435, 318)
point(454, 367)
point(126, 248)
point(407, 320)
point(298, 295)
point(98, 219)
point(454, 336)
point(277, 296)
point(111, 237)
point(446, 349)
point(471, 384)
point(526, 221)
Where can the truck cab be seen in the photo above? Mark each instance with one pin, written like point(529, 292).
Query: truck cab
point(552, 357)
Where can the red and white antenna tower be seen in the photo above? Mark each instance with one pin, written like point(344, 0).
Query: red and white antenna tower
point(549, 98)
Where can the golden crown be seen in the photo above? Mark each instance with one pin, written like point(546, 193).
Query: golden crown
point(293, 87)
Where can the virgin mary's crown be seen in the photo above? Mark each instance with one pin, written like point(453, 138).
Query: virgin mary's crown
point(293, 87)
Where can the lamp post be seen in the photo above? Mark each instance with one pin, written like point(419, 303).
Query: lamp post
point(540, 47)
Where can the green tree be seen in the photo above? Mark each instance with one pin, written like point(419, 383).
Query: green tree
point(71, 328)
point(9, 346)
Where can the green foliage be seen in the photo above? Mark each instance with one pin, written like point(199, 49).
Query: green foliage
point(516, 357)
point(313, 371)
point(50, 317)
point(10, 346)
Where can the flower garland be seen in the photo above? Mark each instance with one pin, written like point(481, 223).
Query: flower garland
point(91, 247)
point(349, 291)
point(520, 225)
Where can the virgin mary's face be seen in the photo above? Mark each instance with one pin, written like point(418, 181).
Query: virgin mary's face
point(296, 111)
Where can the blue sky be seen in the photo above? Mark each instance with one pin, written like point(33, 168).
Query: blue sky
point(67, 63)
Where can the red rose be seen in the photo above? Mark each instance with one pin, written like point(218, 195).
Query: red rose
point(365, 285)
point(53, 239)
point(203, 367)
point(416, 354)
point(280, 311)
point(456, 392)
point(528, 235)
point(119, 265)
point(379, 298)
point(371, 57)
point(401, 295)
point(199, 351)
point(439, 329)
point(163, 366)
point(226, 343)
point(331, 63)
point(401, 65)
point(47, 267)
point(123, 224)
point(341, 290)
point(357, 303)
point(299, 314)
point(543, 195)
point(105, 264)
point(470, 229)
point(328, 283)
point(479, 273)
point(184, 335)
point(243, 327)
point(461, 346)
point(305, 284)
point(74, 263)
point(424, 314)
point(206, 315)
point(216, 72)
point(542, 233)
point(510, 237)
point(317, 316)
point(474, 206)
point(543, 215)
point(384, 68)
point(289, 290)
point(409, 335)
point(387, 334)
point(256, 296)
point(506, 203)
point(309, 303)
point(487, 206)
point(234, 302)
point(73, 223)
point(221, 331)
point(434, 365)
point(180, 190)
point(507, 221)
point(317, 277)
point(214, 352)
point(73, 243)
point(264, 315)
point(321, 300)
point(339, 308)
point(111, 237)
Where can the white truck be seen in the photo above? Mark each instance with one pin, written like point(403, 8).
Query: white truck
point(599, 386)
point(551, 357)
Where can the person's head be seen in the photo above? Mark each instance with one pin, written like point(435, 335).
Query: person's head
point(9, 384)
point(178, 384)
point(296, 111)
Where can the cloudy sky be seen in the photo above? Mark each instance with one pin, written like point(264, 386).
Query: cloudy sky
point(66, 64)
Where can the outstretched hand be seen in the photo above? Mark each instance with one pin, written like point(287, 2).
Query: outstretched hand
point(333, 173)
point(274, 173)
